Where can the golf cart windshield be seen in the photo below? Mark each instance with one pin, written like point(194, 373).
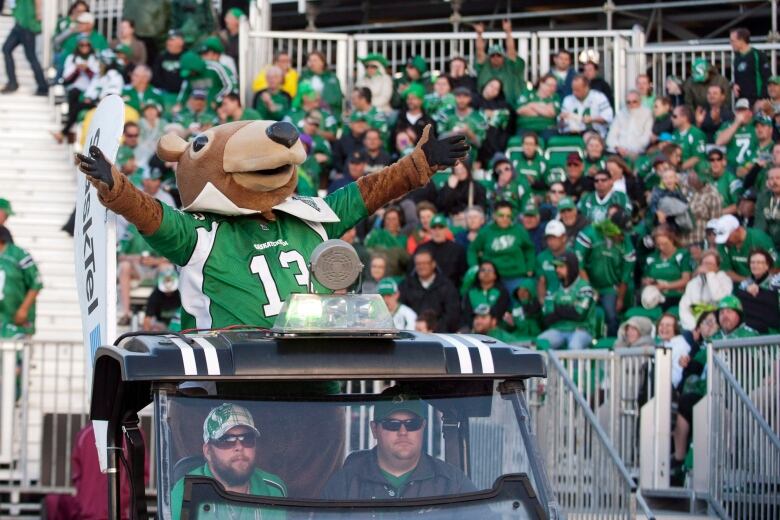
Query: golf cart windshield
point(445, 450)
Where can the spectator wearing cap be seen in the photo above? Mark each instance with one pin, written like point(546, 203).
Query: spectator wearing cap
point(461, 192)
point(193, 18)
point(65, 27)
point(412, 115)
point(711, 116)
point(463, 119)
point(735, 243)
point(166, 68)
point(449, 255)
point(597, 82)
point(585, 109)
point(768, 207)
point(728, 185)
point(751, 67)
point(508, 186)
point(495, 109)
point(569, 312)
point(320, 147)
point(140, 91)
point(532, 222)
point(197, 115)
point(607, 256)
point(415, 73)
point(404, 317)
point(205, 74)
point(764, 129)
point(731, 320)
point(323, 81)
point(506, 66)
point(486, 290)
point(5, 211)
point(229, 35)
point(306, 102)
point(576, 182)
point(594, 205)
point(705, 203)
point(507, 245)
point(563, 71)
point(458, 72)
point(79, 69)
point(351, 139)
point(20, 289)
point(426, 288)
point(212, 50)
point(629, 134)
point(572, 219)
point(272, 102)
point(126, 36)
point(85, 28)
point(703, 76)
point(230, 110)
point(555, 240)
point(441, 95)
point(537, 110)
point(377, 80)
point(773, 92)
point(484, 322)
point(690, 139)
point(707, 286)
point(739, 138)
point(759, 294)
point(662, 118)
point(355, 169)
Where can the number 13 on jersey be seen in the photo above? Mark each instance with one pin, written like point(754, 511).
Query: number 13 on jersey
point(287, 260)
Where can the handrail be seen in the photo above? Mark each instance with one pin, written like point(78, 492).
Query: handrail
point(600, 433)
point(746, 401)
point(660, 48)
point(746, 342)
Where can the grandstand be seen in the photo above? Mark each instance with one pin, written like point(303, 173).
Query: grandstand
point(623, 396)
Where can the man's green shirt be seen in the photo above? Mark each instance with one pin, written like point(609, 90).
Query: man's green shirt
point(433, 102)
point(743, 331)
point(517, 192)
point(545, 268)
point(730, 187)
point(743, 147)
point(736, 259)
point(532, 169)
point(510, 249)
point(376, 120)
point(249, 114)
point(18, 275)
point(693, 144)
point(607, 262)
point(24, 14)
point(537, 123)
point(186, 117)
point(239, 270)
point(137, 100)
point(297, 115)
point(668, 269)
point(217, 80)
point(578, 295)
point(449, 119)
point(261, 483)
point(595, 209)
point(282, 102)
point(511, 74)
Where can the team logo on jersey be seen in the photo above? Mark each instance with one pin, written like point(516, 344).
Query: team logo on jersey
point(308, 201)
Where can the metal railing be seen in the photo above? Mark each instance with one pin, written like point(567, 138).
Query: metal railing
point(744, 441)
point(584, 467)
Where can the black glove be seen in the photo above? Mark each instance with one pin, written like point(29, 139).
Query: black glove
point(446, 152)
point(96, 166)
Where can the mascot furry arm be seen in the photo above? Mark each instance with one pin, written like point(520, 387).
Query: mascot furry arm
point(119, 195)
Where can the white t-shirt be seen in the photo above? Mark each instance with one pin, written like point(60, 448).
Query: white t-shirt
point(404, 318)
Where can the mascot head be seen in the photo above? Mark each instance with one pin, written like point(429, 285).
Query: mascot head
point(237, 168)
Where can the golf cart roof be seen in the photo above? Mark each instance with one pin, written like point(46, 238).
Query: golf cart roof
point(137, 361)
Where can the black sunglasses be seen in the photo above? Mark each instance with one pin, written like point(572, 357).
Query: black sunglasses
point(394, 425)
point(247, 440)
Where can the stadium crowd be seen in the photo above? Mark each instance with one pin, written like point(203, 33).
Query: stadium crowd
point(571, 225)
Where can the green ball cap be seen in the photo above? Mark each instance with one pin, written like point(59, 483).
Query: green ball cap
point(416, 90)
point(774, 80)
point(387, 286)
point(730, 302)
point(565, 203)
point(496, 49)
point(5, 205)
point(399, 403)
point(191, 65)
point(439, 221)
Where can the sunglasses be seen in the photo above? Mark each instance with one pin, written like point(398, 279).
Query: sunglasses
point(394, 425)
point(131, 136)
point(573, 163)
point(226, 442)
point(557, 192)
point(715, 159)
point(487, 270)
point(600, 179)
point(504, 215)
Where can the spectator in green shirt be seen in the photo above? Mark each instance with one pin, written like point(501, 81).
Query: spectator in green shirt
point(530, 164)
point(537, 110)
point(668, 267)
point(324, 82)
point(691, 140)
point(27, 23)
point(440, 97)
point(272, 102)
point(496, 63)
point(546, 279)
point(230, 110)
point(768, 206)
point(728, 185)
point(735, 243)
point(739, 137)
point(463, 119)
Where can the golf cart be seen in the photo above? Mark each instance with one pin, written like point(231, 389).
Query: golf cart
point(311, 386)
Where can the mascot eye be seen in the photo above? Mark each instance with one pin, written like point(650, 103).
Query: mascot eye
point(200, 142)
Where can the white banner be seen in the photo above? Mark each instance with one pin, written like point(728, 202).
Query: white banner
point(95, 244)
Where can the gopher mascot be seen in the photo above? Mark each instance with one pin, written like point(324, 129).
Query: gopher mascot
point(243, 242)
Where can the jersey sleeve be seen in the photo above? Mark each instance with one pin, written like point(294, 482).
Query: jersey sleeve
point(177, 235)
point(32, 278)
point(348, 204)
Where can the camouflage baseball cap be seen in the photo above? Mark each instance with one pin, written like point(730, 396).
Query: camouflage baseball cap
point(223, 418)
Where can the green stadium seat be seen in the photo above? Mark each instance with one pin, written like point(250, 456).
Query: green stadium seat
point(559, 147)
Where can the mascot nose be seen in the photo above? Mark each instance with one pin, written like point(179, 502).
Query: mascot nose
point(282, 133)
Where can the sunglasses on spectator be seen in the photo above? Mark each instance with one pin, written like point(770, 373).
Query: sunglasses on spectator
point(131, 136)
point(557, 192)
point(394, 425)
point(85, 44)
point(601, 179)
point(226, 442)
point(504, 215)
point(714, 159)
point(487, 270)
point(633, 101)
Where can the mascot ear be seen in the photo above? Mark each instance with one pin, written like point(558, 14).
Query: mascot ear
point(170, 147)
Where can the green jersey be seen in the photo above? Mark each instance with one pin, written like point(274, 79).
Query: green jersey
point(297, 115)
point(479, 296)
point(736, 259)
point(24, 15)
point(239, 270)
point(537, 123)
point(594, 165)
point(217, 80)
point(280, 105)
point(532, 169)
point(261, 483)
point(668, 269)
point(18, 276)
point(496, 117)
point(433, 102)
point(510, 249)
point(328, 86)
point(137, 100)
point(743, 331)
point(693, 143)
point(517, 192)
point(580, 296)
point(511, 74)
point(595, 208)
point(607, 262)
point(743, 146)
point(248, 114)
point(449, 121)
point(730, 187)
point(187, 118)
point(375, 119)
point(545, 268)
